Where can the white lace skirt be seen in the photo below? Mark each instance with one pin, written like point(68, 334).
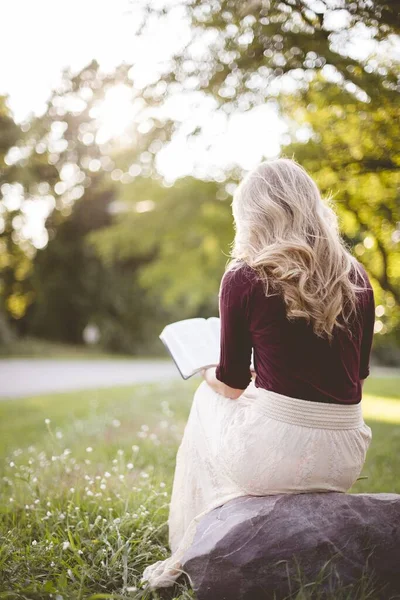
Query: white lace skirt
point(263, 443)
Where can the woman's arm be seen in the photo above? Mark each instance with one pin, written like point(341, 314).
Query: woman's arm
point(219, 386)
point(367, 334)
point(232, 374)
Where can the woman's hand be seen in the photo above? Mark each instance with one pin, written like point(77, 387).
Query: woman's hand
point(219, 386)
point(209, 375)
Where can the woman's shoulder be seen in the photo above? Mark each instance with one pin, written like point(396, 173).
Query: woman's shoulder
point(238, 281)
point(239, 275)
point(244, 287)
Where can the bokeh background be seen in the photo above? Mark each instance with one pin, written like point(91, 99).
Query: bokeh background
point(125, 127)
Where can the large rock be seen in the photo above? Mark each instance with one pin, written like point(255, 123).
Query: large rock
point(253, 548)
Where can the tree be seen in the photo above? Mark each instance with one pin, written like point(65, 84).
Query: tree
point(75, 288)
point(14, 264)
point(353, 151)
point(250, 47)
point(187, 227)
point(66, 157)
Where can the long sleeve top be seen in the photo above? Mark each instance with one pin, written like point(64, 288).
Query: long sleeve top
point(289, 358)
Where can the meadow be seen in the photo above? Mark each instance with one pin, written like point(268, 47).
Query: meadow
point(86, 480)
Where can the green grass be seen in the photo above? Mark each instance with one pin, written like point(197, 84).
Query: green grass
point(36, 348)
point(86, 480)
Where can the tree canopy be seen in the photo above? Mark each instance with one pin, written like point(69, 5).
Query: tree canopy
point(127, 250)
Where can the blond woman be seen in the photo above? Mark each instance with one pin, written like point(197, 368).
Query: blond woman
point(293, 295)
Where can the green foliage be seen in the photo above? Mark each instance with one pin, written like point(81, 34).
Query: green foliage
point(253, 45)
point(15, 295)
point(187, 228)
point(350, 127)
point(62, 157)
point(74, 288)
point(129, 252)
point(353, 151)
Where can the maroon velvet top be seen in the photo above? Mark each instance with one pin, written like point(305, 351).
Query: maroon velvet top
point(288, 357)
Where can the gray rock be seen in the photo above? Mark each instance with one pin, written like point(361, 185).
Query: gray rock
point(253, 548)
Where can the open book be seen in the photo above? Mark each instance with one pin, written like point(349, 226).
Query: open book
point(194, 344)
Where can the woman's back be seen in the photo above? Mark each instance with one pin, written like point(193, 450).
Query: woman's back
point(289, 358)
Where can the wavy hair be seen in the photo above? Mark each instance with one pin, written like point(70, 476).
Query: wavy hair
point(290, 236)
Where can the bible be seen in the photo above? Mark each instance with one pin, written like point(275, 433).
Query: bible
point(193, 344)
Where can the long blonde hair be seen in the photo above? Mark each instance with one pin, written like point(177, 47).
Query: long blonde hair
point(290, 237)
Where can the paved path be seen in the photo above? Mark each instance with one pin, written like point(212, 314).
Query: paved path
point(28, 377)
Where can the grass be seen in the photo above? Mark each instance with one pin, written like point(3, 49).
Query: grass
point(36, 348)
point(86, 480)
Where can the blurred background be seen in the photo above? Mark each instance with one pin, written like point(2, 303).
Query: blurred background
point(125, 127)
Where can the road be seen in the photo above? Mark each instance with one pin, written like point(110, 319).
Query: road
point(29, 377)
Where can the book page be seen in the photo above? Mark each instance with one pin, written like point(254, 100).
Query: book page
point(191, 344)
point(214, 326)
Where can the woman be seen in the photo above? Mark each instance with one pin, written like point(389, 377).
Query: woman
point(295, 296)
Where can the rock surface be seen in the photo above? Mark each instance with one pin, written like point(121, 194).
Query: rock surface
point(253, 548)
